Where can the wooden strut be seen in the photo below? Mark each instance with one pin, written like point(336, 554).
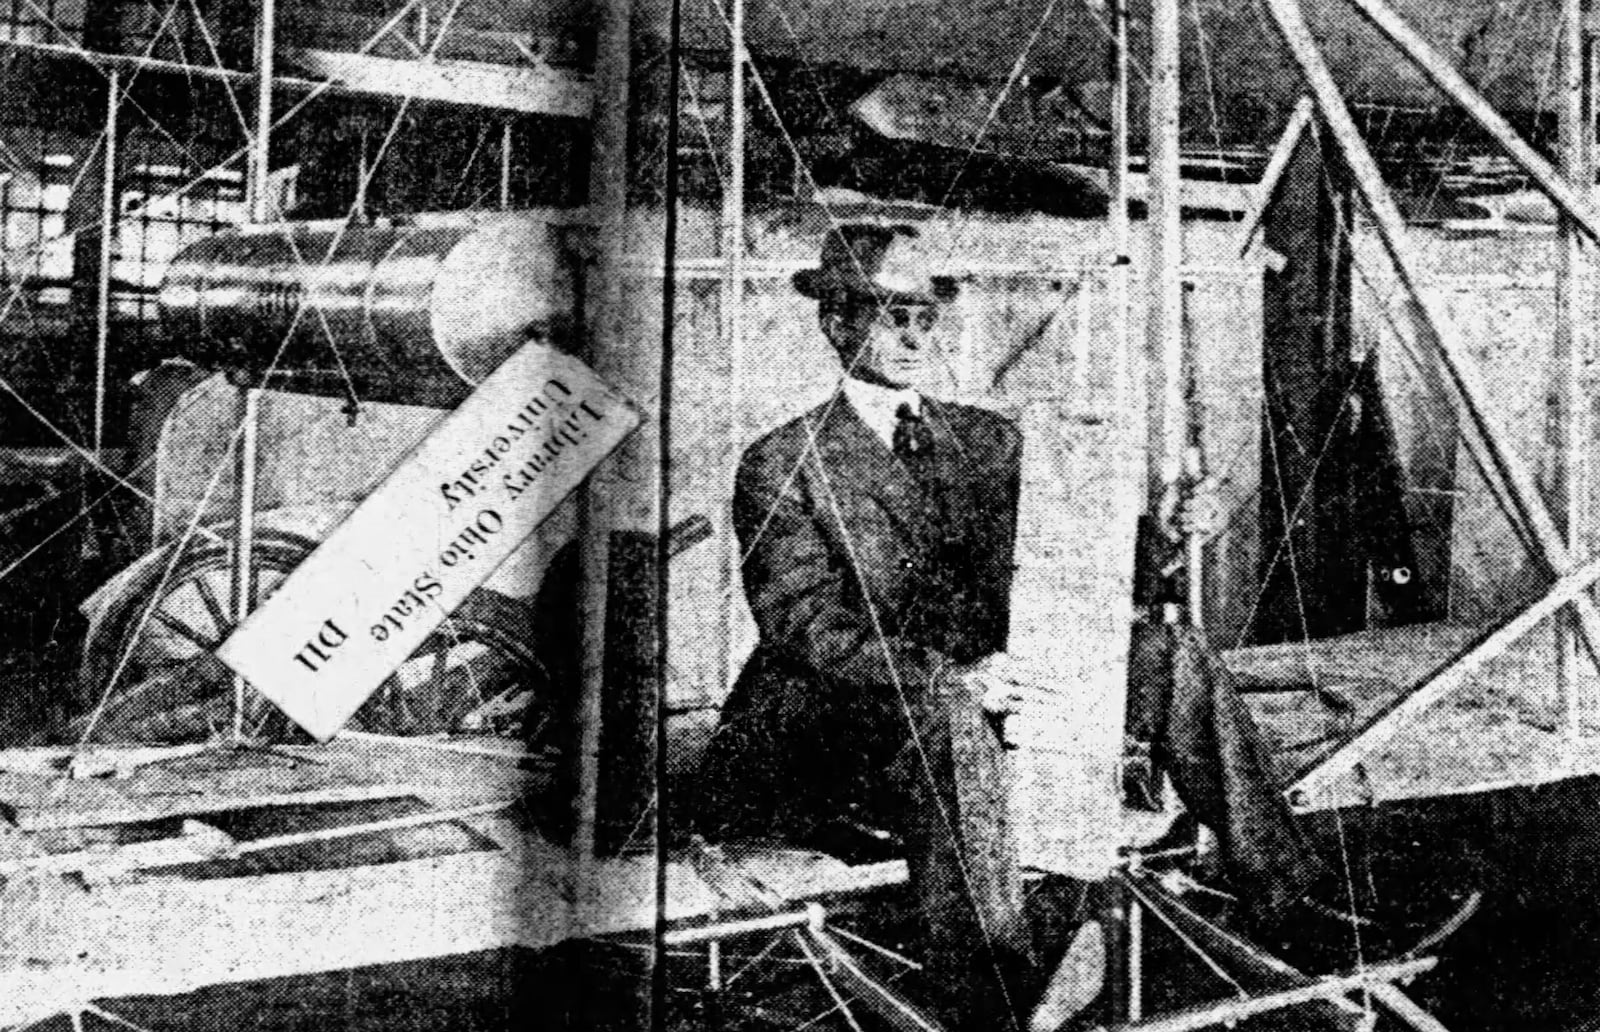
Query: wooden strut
point(1456, 371)
point(811, 916)
point(1164, 262)
point(1230, 1011)
point(1573, 428)
point(1277, 164)
point(108, 225)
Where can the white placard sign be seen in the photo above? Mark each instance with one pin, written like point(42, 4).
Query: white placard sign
point(450, 513)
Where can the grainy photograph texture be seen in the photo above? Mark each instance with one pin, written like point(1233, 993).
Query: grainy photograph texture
point(746, 515)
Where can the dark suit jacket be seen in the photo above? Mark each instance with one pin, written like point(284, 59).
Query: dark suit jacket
point(865, 583)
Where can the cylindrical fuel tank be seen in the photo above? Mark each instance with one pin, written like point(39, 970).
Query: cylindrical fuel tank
point(415, 310)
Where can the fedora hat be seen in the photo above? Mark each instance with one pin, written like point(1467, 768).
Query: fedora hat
point(861, 260)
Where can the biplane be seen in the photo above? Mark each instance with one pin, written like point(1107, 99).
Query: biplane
point(184, 812)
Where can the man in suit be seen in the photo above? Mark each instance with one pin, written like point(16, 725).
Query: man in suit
point(877, 533)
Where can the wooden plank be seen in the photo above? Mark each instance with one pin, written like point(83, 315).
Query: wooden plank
point(209, 782)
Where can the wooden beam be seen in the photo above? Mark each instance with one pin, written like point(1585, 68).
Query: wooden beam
point(534, 91)
point(1455, 370)
point(1393, 720)
point(1277, 164)
point(1438, 69)
point(1163, 285)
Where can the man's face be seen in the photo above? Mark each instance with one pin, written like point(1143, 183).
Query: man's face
point(892, 345)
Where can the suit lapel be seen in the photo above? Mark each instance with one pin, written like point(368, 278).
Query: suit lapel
point(858, 465)
point(953, 464)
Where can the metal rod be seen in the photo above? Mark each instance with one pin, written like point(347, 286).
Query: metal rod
point(1443, 75)
point(246, 459)
point(1118, 180)
point(1135, 960)
point(261, 142)
point(735, 274)
point(1164, 326)
point(1194, 458)
point(1454, 372)
point(245, 468)
point(108, 237)
point(505, 165)
point(1323, 989)
point(1277, 164)
point(1394, 719)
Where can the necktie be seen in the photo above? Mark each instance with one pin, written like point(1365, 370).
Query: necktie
point(912, 438)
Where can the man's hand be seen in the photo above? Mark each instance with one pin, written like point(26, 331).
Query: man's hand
point(1191, 509)
point(1003, 686)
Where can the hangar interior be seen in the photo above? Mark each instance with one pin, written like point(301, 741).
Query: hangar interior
point(255, 254)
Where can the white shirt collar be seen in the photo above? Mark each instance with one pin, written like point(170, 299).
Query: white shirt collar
point(877, 406)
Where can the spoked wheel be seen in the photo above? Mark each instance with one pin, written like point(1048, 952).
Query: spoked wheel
point(150, 673)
